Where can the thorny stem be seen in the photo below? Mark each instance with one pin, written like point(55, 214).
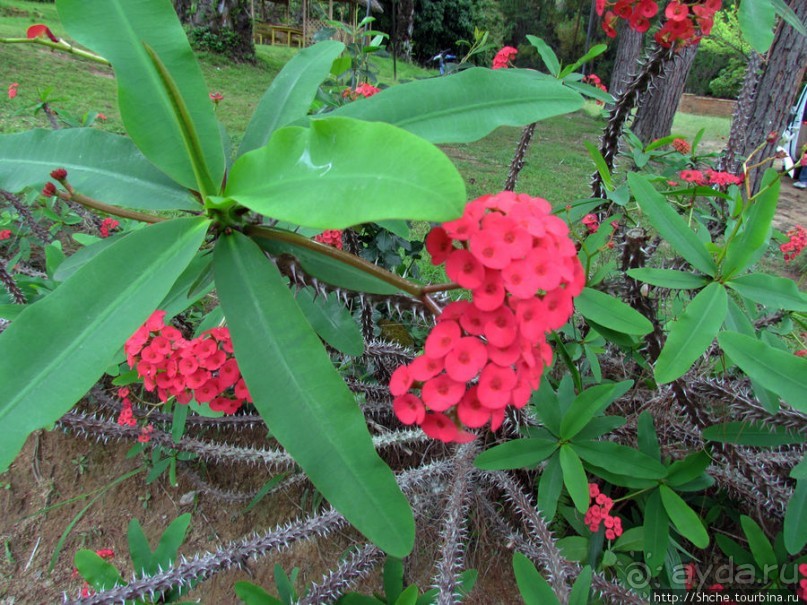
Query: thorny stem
point(416, 290)
point(60, 45)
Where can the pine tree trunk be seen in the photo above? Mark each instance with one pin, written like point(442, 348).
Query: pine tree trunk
point(657, 109)
point(776, 91)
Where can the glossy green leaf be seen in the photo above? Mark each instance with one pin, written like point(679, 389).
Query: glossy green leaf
point(550, 487)
point(393, 578)
point(758, 542)
point(600, 163)
point(306, 405)
point(532, 586)
point(101, 165)
point(656, 533)
point(684, 519)
point(771, 291)
point(581, 588)
point(733, 549)
point(589, 91)
point(668, 278)
point(289, 96)
point(251, 594)
point(744, 249)
point(647, 437)
point(597, 427)
point(795, 529)
point(756, 21)
point(591, 402)
point(631, 540)
point(468, 105)
point(342, 172)
point(79, 327)
point(779, 371)
point(11, 312)
point(574, 477)
point(690, 468)
point(789, 16)
point(594, 52)
point(84, 255)
point(173, 537)
point(548, 55)
point(692, 333)
point(98, 573)
point(574, 548)
point(620, 459)
point(518, 453)
point(139, 549)
point(177, 130)
point(757, 434)
point(670, 225)
point(332, 321)
point(328, 269)
point(606, 310)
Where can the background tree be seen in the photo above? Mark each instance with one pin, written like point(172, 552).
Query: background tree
point(221, 26)
point(628, 52)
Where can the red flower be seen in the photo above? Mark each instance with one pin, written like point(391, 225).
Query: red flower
point(107, 225)
point(12, 90)
point(49, 190)
point(796, 243)
point(101, 117)
point(366, 90)
point(681, 146)
point(591, 222)
point(504, 56)
point(331, 237)
point(39, 31)
point(693, 176)
point(216, 97)
point(59, 174)
point(5, 234)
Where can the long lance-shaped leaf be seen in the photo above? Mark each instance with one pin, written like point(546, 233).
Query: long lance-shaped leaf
point(468, 105)
point(692, 332)
point(291, 92)
point(342, 172)
point(670, 225)
point(120, 31)
point(101, 165)
point(59, 347)
point(302, 398)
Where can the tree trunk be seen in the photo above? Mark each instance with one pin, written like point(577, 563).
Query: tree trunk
point(626, 64)
point(405, 28)
point(183, 10)
point(232, 21)
point(656, 111)
point(782, 73)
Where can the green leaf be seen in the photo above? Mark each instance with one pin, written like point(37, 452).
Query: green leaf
point(550, 486)
point(289, 96)
point(581, 588)
point(600, 163)
point(332, 321)
point(101, 165)
point(11, 312)
point(743, 249)
point(84, 255)
point(306, 405)
point(733, 550)
point(328, 269)
point(342, 172)
point(532, 586)
point(574, 477)
point(393, 578)
point(407, 597)
point(685, 520)
point(758, 434)
point(757, 18)
point(172, 124)
point(631, 540)
point(80, 326)
point(771, 291)
point(574, 548)
point(647, 437)
point(670, 225)
point(518, 453)
point(98, 573)
point(795, 529)
point(656, 533)
point(606, 310)
point(692, 333)
point(620, 459)
point(139, 549)
point(548, 56)
point(594, 52)
point(251, 594)
point(173, 537)
point(589, 91)
point(468, 105)
point(789, 15)
point(781, 372)
point(599, 426)
point(690, 468)
point(668, 278)
point(590, 403)
point(759, 544)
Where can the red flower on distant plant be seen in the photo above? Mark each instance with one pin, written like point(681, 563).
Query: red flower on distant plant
point(591, 223)
point(796, 243)
point(504, 56)
point(681, 146)
point(40, 31)
point(101, 117)
point(107, 225)
point(367, 90)
point(330, 237)
point(12, 90)
point(5, 234)
point(216, 97)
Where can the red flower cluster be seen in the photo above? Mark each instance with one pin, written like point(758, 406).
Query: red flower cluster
point(202, 368)
point(801, 353)
point(797, 242)
point(5, 234)
point(685, 23)
point(216, 97)
point(681, 146)
point(145, 433)
point(107, 225)
point(591, 222)
point(598, 513)
point(710, 177)
point(595, 81)
point(364, 89)
point(801, 591)
point(331, 237)
point(126, 416)
point(12, 90)
point(489, 352)
point(504, 56)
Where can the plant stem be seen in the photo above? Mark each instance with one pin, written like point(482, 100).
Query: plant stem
point(60, 45)
point(109, 209)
